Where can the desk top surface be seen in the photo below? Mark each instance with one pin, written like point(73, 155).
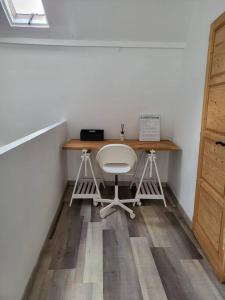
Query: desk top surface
point(164, 145)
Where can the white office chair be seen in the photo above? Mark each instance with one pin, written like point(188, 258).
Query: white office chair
point(116, 159)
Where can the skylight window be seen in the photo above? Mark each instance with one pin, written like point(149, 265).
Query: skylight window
point(25, 13)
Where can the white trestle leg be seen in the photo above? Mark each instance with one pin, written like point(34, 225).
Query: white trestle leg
point(150, 188)
point(87, 188)
point(77, 179)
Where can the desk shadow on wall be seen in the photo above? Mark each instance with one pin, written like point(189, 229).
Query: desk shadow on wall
point(174, 172)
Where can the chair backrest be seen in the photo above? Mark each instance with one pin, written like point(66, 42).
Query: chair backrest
point(116, 158)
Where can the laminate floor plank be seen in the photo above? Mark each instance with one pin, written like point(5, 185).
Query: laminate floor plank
point(59, 240)
point(129, 287)
point(86, 209)
point(180, 241)
point(166, 231)
point(93, 267)
point(42, 270)
point(87, 291)
point(79, 274)
point(154, 256)
point(202, 285)
point(158, 228)
point(68, 193)
point(72, 244)
point(150, 282)
point(129, 284)
point(82, 291)
point(44, 292)
point(170, 275)
point(111, 270)
point(66, 239)
point(209, 271)
point(138, 228)
point(60, 285)
point(118, 222)
point(97, 291)
point(95, 214)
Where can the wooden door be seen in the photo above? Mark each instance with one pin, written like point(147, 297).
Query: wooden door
point(209, 216)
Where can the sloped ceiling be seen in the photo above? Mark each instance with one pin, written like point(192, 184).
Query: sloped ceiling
point(110, 20)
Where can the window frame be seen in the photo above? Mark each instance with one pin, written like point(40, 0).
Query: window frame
point(23, 20)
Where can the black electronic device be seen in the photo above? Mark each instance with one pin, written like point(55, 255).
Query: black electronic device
point(92, 135)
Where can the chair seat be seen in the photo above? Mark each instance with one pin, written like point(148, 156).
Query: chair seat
point(116, 168)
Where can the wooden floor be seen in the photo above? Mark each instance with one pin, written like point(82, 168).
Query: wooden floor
point(152, 257)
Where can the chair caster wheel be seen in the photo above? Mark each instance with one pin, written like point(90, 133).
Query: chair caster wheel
point(139, 203)
point(102, 216)
point(95, 203)
point(132, 216)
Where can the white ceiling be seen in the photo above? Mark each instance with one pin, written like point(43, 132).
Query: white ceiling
point(110, 20)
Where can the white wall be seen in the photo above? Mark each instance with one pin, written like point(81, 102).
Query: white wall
point(89, 87)
point(32, 180)
point(187, 120)
point(134, 20)
point(102, 87)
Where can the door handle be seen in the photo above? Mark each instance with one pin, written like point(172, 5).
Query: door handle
point(220, 143)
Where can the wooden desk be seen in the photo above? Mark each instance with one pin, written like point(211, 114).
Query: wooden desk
point(90, 189)
point(164, 145)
